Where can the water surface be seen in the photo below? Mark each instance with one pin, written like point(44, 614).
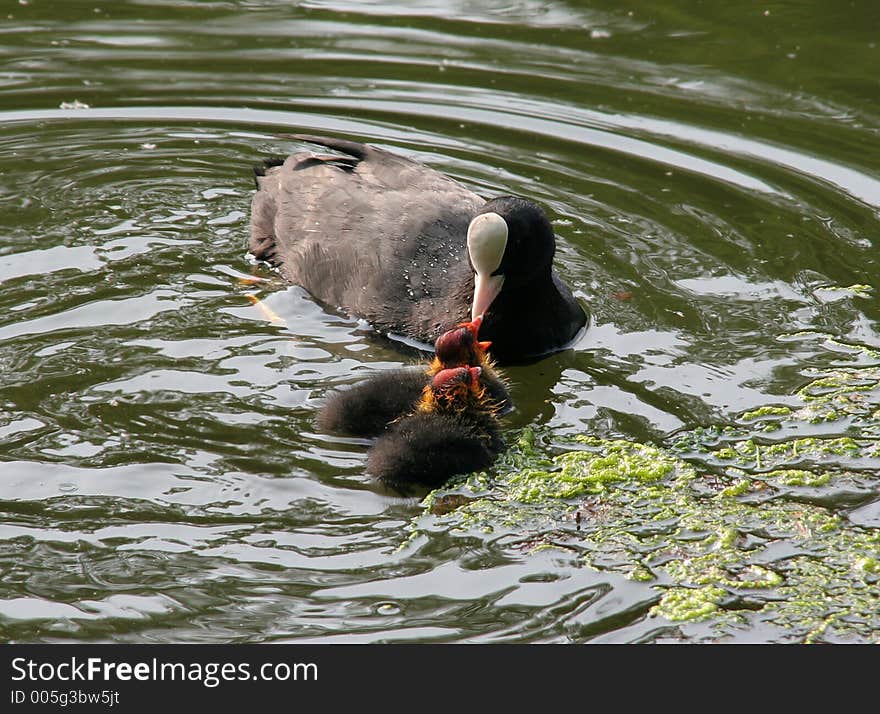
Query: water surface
point(710, 173)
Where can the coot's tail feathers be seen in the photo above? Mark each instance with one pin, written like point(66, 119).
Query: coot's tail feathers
point(352, 148)
point(263, 241)
point(349, 163)
point(261, 168)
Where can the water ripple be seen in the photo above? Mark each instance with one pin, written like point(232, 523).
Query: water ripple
point(162, 478)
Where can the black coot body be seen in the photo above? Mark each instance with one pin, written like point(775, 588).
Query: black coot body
point(384, 238)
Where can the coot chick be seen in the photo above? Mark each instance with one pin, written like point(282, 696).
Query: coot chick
point(368, 408)
point(412, 251)
point(454, 430)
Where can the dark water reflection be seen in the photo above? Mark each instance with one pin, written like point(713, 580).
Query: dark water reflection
point(707, 171)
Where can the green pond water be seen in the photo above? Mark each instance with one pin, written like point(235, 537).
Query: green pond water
point(702, 465)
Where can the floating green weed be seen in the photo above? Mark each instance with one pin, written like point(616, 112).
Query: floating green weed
point(715, 521)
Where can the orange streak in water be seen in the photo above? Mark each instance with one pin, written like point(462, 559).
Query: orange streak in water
point(270, 314)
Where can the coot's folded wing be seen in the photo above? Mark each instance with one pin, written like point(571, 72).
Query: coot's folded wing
point(373, 233)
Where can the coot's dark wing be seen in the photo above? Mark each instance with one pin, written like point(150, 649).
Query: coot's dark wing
point(375, 234)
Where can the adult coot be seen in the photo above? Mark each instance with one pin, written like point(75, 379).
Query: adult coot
point(410, 250)
point(453, 430)
point(368, 409)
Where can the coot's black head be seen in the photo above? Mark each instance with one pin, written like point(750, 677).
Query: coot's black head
point(510, 245)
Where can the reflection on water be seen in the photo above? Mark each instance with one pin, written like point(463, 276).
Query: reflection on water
point(161, 475)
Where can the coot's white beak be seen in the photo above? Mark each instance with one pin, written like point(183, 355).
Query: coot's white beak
point(486, 241)
point(486, 289)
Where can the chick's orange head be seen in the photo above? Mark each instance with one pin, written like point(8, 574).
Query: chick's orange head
point(457, 378)
point(459, 347)
point(451, 389)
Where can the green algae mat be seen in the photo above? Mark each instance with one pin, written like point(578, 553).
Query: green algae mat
point(737, 527)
